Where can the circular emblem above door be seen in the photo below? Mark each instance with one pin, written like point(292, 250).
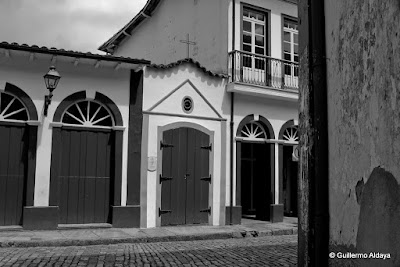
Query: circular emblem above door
point(187, 104)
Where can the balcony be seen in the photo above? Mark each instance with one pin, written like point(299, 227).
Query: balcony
point(263, 76)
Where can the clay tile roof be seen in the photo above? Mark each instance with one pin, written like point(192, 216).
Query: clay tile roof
point(70, 53)
point(190, 61)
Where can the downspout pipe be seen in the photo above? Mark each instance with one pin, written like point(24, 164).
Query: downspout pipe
point(232, 112)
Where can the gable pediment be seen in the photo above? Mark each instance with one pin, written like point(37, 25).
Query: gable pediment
point(173, 103)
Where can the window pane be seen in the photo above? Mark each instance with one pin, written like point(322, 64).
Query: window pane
point(245, 13)
point(261, 17)
point(259, 51)
point(260, 41)
point(259, 63)
point(286, 36)
point(5, 100)
point(246, 38)
point(68, 119)
point(105, 122)
point(247, 61)
point(296, 49)
point(83, 107)
point(260, 29)
point(290, 24)
point(19, 116)
point(288, 69)
point(253, 15)
point(296, 58)
point(286, 47)
point(246, 26)
point(296, 71)
point(287, 56)
point(296, 38)
point(246, 48)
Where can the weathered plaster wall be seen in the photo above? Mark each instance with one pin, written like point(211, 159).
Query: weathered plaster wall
point(363, 60)
point(158, 37)
point(28, 75)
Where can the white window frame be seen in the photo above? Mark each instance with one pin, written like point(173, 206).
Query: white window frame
point(292, 43)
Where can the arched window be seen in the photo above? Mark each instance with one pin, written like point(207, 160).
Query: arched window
point(88, 113)
point(291, 134)
point(12, 108)
point(253, 130)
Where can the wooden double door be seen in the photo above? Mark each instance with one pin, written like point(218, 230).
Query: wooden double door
point(13, 163)
point(84, 175)
point(185, 178)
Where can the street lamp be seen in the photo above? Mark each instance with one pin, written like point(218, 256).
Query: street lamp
point(51, 79)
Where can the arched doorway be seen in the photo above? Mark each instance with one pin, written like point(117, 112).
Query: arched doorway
point(254, 170)
point(84, 162)
point(289, 168)
point(17, 142)
point(185, 179)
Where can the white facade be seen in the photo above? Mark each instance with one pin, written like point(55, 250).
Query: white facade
point(27, 74)
point(162, 107)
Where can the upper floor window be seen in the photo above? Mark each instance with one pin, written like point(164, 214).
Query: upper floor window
point(290, 40)
point(290, 44)
point(254, 37)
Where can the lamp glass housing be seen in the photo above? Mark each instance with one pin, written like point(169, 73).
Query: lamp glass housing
point(51, 79)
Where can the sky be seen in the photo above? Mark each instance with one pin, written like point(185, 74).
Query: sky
point(79, 25)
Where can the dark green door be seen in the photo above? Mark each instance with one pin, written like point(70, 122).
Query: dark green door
point(84, 175)
point(185, 177)
point(13, 160)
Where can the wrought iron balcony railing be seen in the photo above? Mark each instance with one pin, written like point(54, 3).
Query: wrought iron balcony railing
point(261, 70)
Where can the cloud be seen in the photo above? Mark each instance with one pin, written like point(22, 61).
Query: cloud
point(81, 25)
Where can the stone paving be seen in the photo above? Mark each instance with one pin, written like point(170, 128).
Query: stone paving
point(258, 251)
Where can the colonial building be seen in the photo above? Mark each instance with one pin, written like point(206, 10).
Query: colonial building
point(255, 44)
point(203, 135)
point(63, 161)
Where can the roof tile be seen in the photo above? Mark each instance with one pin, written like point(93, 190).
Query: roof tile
point(191, 61)
point(70, 53)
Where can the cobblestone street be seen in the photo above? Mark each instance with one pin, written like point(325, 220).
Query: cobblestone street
point(261, 251)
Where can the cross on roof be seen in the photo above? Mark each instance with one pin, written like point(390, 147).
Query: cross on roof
point(189, 43)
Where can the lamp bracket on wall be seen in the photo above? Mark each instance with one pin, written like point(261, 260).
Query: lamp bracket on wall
point(47, 102)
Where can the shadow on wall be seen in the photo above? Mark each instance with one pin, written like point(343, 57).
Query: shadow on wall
point(379, 221)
